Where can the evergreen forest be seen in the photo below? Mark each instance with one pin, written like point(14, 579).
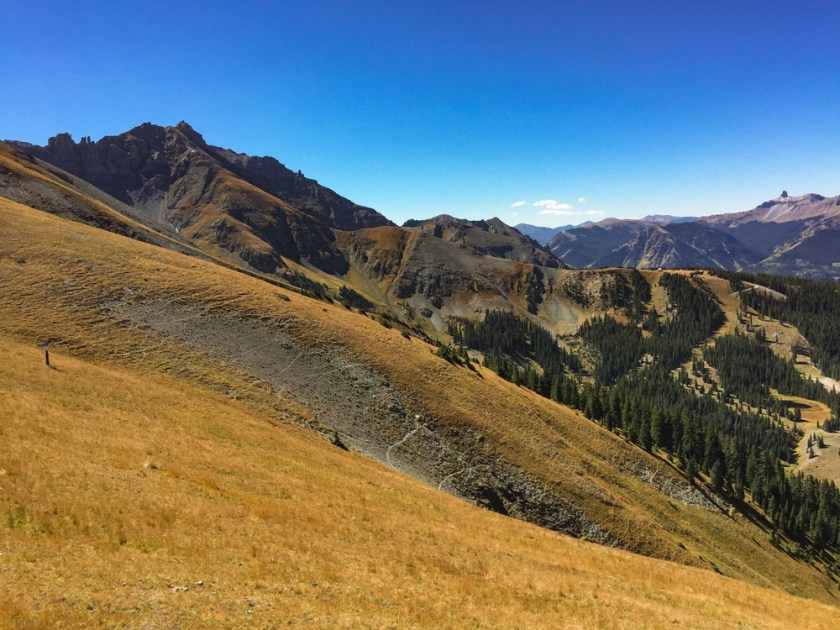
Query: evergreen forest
point(632, 378)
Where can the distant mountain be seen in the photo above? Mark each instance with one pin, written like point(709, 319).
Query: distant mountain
point(787, 235)
point(679, 245)
point(791, 235)
point(783, 232)
point(647, 244)
point(667, 218)
point(783, 209)
point(585, 245)
point(540, 234)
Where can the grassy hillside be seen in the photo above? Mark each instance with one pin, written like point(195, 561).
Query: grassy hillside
point(115, 301)
point(131, 498)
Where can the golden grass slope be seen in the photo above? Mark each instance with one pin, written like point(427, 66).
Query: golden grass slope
point(61, 280)
point(131, 499)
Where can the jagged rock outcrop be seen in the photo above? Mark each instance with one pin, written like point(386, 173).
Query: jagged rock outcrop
point(176, 179)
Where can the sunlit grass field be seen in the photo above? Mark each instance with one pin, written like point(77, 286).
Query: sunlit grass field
point(129, 476)
point(129, 498)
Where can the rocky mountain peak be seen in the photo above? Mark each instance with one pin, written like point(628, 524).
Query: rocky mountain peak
point(137, 167)
point(184, 128)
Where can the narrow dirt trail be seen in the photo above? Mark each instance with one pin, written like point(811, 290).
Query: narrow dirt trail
point(400, 442)
point(457, 473)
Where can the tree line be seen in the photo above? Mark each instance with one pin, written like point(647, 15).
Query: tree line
point(748, 369)
point(810, 305)
point(740, 451)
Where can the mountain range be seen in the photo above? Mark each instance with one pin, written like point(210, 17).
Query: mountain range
point(787, 235)
point(271, 371)
point(254, 212)
point(256, 209)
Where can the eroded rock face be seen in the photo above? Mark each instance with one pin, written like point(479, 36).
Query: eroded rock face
point(132, 167)
point(139, 166)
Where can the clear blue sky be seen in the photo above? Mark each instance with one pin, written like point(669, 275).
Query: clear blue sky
point(418, 108)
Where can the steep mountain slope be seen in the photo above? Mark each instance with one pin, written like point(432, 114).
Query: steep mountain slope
point(174, 178)
point(421, 276)
point(107, 298)
point(240, 209)
point(142, 167)
point(301, 192)
point(34, 183)
point(137, 499)
point(814, 253)
point(211, 210)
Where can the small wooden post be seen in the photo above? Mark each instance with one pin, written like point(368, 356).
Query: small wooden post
point(47, 353)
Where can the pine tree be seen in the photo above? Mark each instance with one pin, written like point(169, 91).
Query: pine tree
point(645, 438)
point(717, 475)
point(690, 469)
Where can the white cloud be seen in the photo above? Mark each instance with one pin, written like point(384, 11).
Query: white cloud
point(514, 214)
point(551, 204)
point(556, 208)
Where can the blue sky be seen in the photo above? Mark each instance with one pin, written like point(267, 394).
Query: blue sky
point(417, 108)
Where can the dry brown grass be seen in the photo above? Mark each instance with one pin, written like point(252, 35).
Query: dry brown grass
point(826, 463)
point(119, 487)
point(59, 280)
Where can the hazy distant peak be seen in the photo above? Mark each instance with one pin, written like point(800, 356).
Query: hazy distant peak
point(667, 218)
